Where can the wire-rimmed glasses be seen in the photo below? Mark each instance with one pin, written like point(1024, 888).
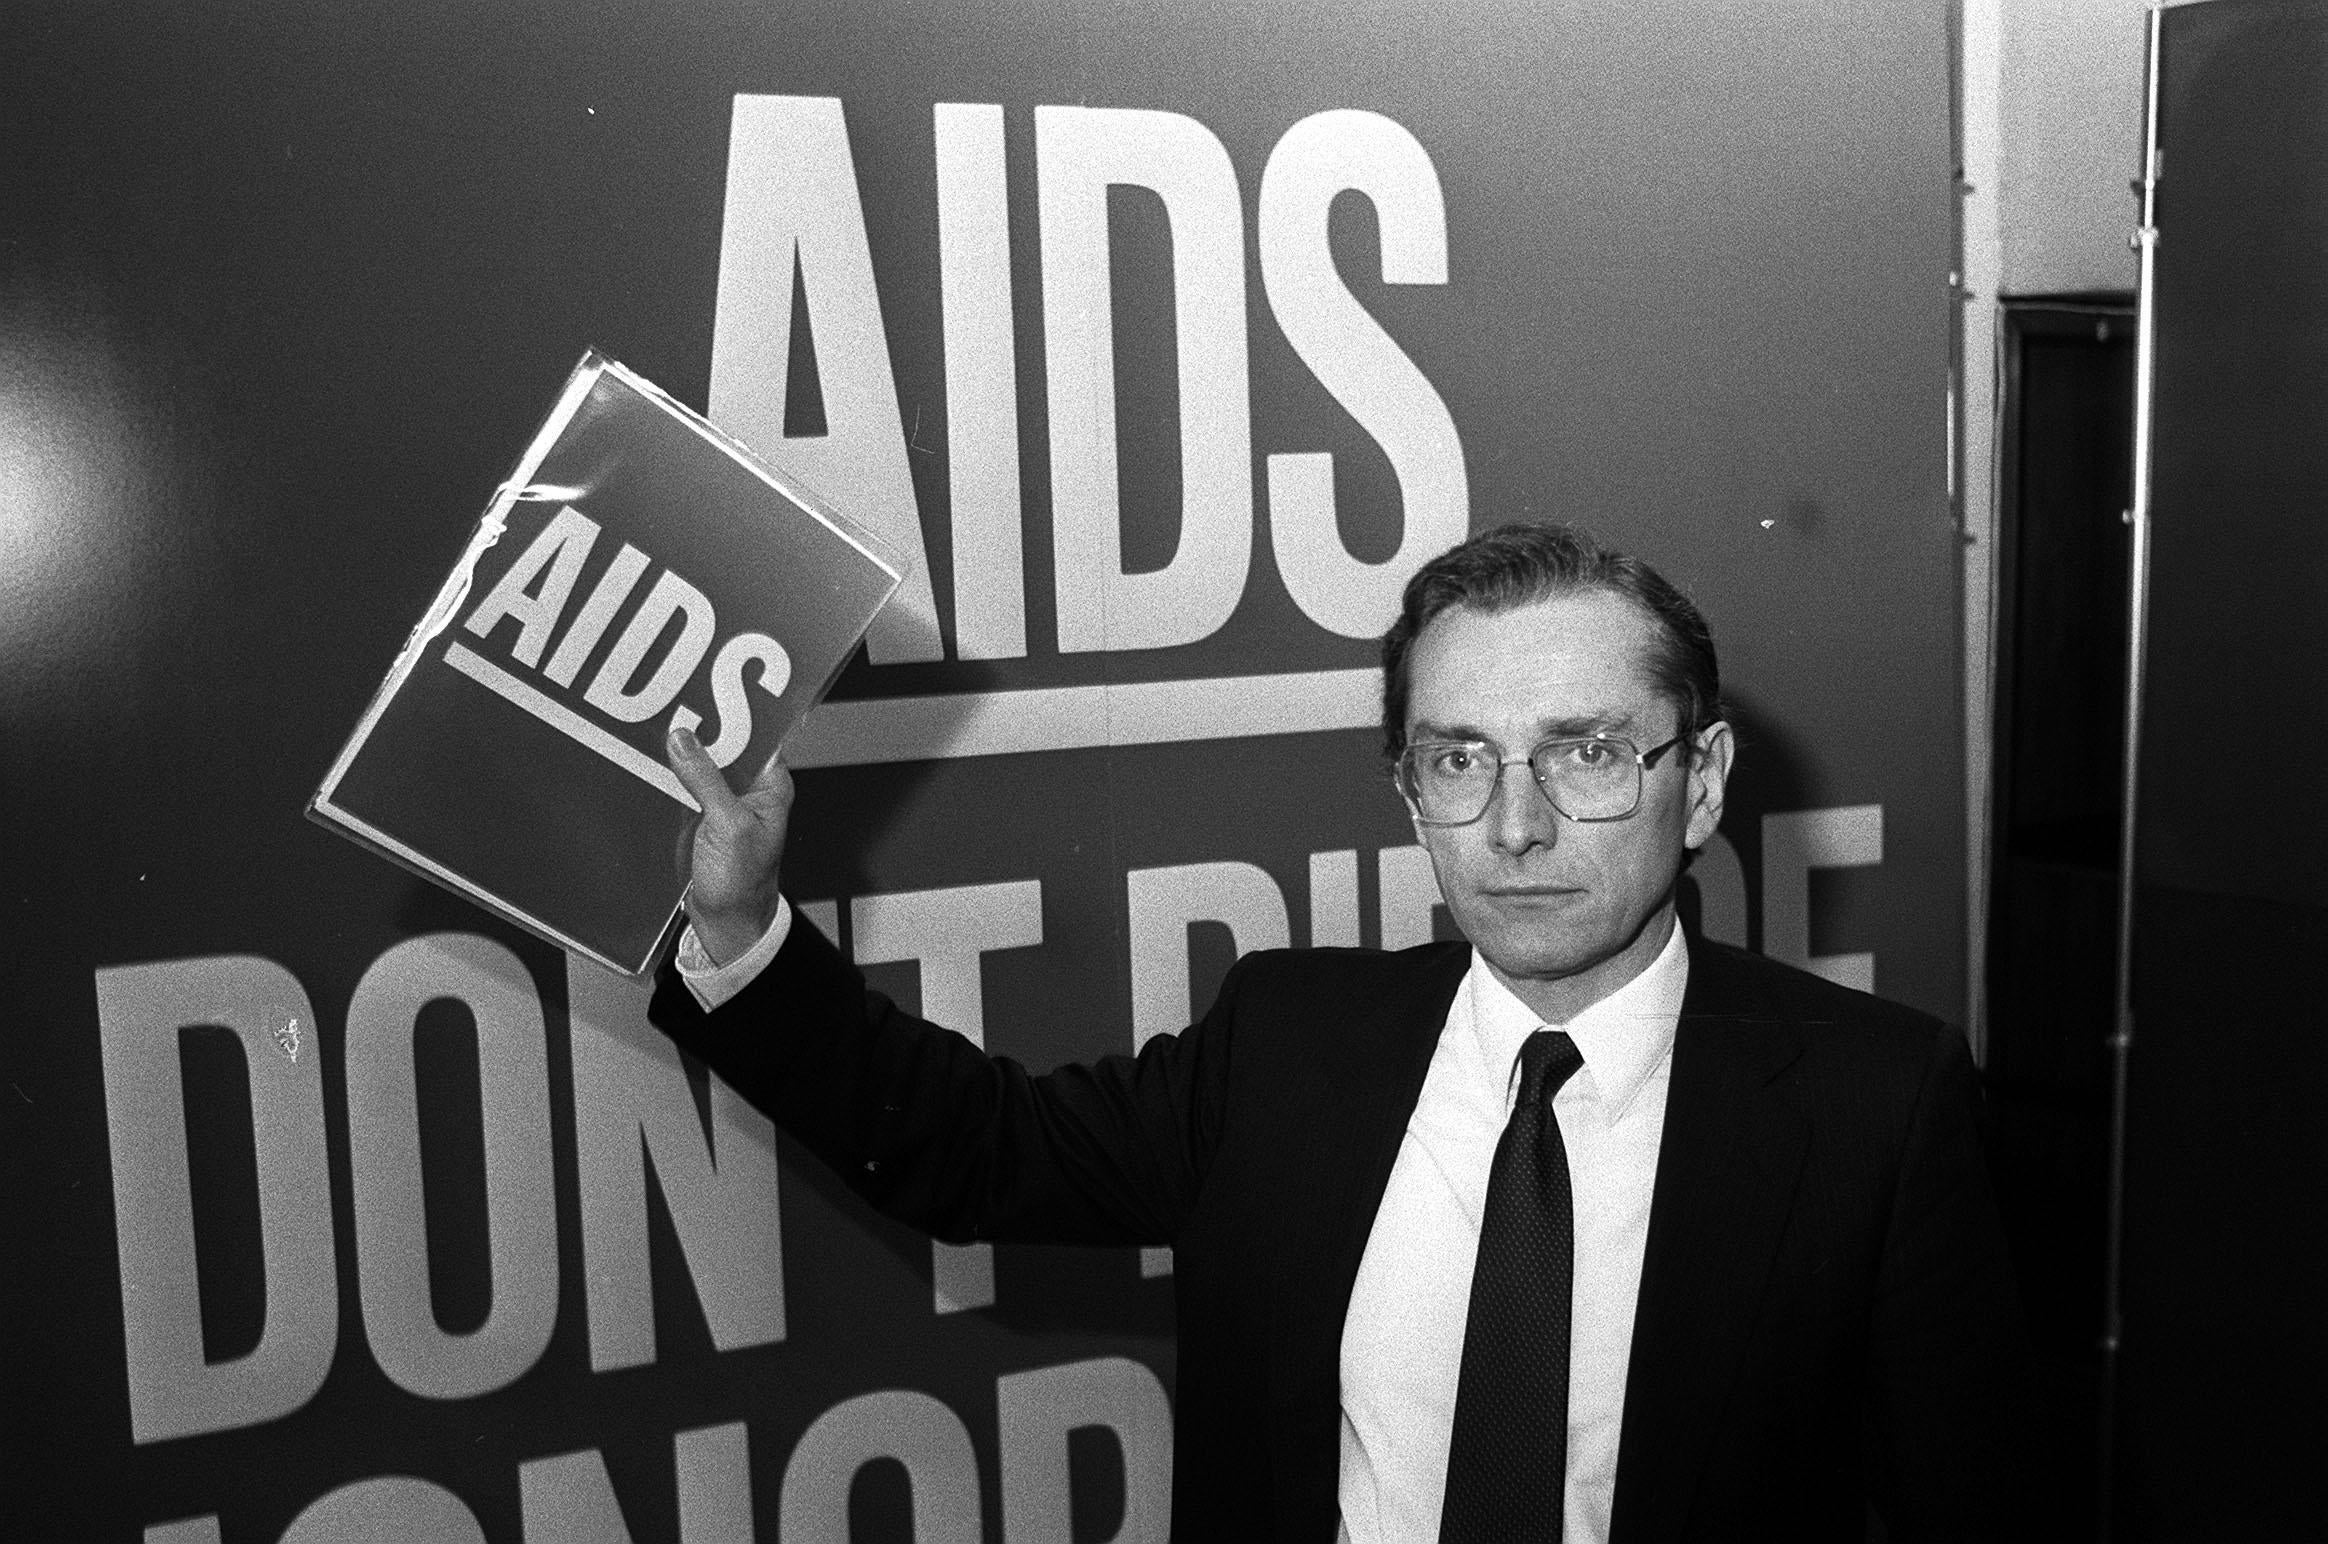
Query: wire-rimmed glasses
point(1592, 778)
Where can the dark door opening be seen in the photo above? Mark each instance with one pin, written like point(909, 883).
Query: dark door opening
point(2066, 481)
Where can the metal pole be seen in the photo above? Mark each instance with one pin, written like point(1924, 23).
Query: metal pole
point(2137, 650)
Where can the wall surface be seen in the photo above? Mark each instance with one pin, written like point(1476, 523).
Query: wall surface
point(2226, 1247)
point(2072, 141)
point(334, 1204)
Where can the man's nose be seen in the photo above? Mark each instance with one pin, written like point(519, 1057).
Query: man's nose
point(1520, 816)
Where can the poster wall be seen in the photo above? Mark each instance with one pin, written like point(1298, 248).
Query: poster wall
point(1166, 340)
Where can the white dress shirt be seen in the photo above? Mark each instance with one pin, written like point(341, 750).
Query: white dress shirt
point(715, 984)
point(1402, 1339)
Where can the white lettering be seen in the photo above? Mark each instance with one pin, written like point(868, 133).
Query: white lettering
point(727, 692)
point(1793, 844)
point(1079, 154)
point(944, 932)
point(792, 195)
point(1035, 1411)
point(569, 1498)
point(630, 1092)
point(561, 548)
point(825, 915)
point(982, 441)
point(1408, 891)
point(1318, 159)
point(714, 1469)
point(385, 1175)
point(671, 597)
point(1164, 902)
point(187, 1530)
point(1333, 899)
point(597, 614)
point(173, 1392)
point(917, 1431)
point(393, 1509)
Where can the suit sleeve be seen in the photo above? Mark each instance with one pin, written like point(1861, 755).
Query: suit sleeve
point(931, 1130)
point(1949, 1355)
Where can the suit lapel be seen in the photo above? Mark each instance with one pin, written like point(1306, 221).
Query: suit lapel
point(1726, 1174)
point(1365, 1090)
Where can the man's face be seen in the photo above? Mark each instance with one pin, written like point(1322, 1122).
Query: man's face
point(1564, 912)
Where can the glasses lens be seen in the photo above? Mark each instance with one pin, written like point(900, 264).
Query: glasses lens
point(1589, 779)
point(1449, 782)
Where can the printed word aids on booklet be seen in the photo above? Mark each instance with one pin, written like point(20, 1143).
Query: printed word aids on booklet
point(639, 571)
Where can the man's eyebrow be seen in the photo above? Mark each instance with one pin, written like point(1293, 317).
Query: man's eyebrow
point(1585, 726)
point(1427, 729)
point(1579, 727)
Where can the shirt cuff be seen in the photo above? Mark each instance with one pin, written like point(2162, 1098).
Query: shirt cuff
point(715, 984)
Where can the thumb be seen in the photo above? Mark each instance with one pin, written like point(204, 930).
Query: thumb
point(698, 773)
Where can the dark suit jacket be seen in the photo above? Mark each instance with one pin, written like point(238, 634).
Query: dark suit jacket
point(1826, 1316)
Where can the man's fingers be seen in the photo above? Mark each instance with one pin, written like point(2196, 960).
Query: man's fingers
point(697, 773)
point(774, 778)
point(733, 856)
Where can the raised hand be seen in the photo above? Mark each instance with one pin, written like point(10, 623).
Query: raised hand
point(739, 841)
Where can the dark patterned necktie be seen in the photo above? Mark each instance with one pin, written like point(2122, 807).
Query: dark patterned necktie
point(1507, 1466)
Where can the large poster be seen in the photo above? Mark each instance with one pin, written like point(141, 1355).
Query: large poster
point(1166, 339)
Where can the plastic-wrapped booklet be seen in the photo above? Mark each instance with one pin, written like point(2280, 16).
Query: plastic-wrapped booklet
point(639, 570)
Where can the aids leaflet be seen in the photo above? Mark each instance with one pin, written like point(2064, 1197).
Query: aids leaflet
point(640, 571)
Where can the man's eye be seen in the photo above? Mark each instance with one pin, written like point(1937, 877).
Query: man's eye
point(1453, 761)
point(1587, 755)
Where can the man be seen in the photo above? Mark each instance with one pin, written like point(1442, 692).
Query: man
point(1579, 1230)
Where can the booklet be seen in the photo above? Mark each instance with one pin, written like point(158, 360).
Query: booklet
point(639, 569)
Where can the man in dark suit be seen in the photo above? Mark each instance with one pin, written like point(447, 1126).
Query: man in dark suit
point(1579, 1230)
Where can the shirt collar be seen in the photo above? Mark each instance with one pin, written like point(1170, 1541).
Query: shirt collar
point(1623, 1038)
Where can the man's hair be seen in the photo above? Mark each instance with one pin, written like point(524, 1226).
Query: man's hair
point(1521, 564)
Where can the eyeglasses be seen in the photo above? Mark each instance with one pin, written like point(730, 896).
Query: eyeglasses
point(1450, 782)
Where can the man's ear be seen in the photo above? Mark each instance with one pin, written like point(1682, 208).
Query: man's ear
point(1414, 816)
point(1709, 776)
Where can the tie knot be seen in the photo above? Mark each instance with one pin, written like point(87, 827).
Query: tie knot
point(1548, 1058)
